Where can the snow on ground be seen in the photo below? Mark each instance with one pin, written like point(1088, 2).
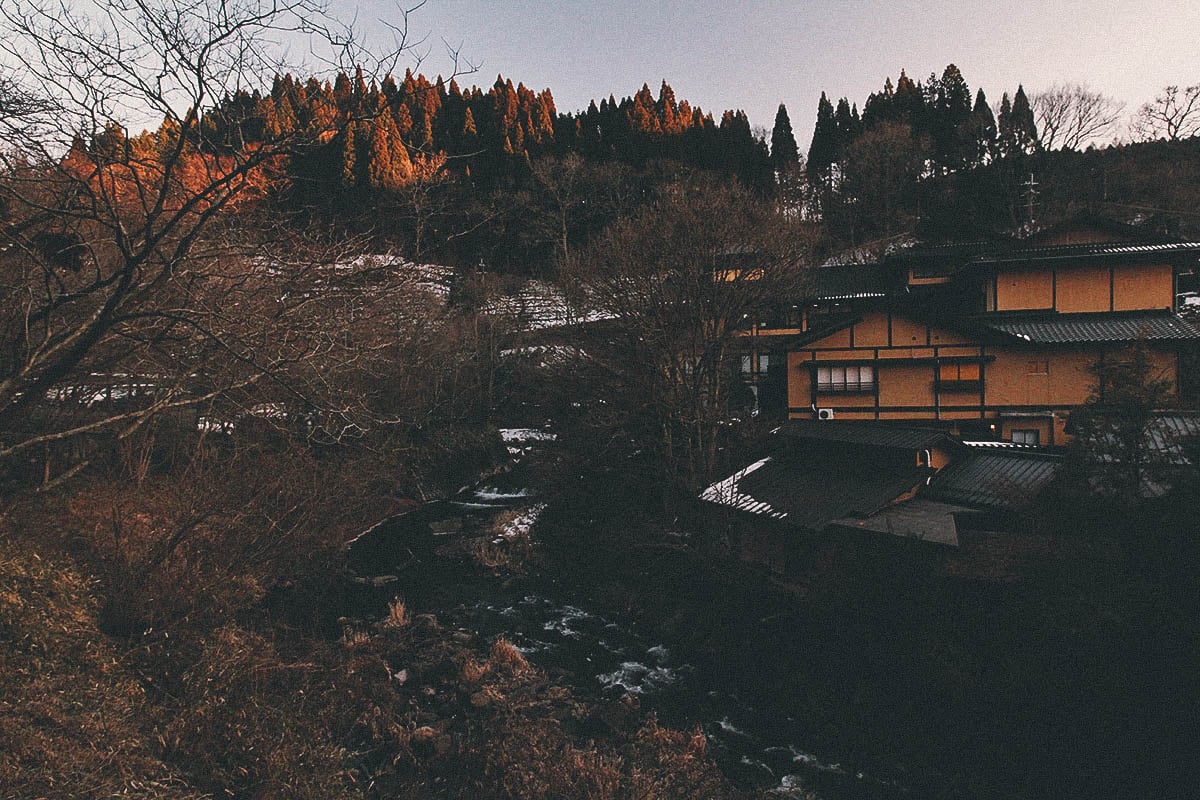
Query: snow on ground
point(547, 355)
point(520, 525)
point(518, 440)
point(526, 435)
point(727, 493)
point(872, 251)
point(539, 305)
point(490, 494)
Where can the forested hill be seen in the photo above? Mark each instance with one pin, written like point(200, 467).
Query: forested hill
point(452, 174)
point(490, 135)
point(500, 176)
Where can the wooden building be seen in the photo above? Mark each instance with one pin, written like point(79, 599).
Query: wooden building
point(992, 341)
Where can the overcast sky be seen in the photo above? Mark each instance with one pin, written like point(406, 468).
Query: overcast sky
point(755, 55)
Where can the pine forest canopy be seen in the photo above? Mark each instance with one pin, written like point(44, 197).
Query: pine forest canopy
point(379, 136)
point(938, 112)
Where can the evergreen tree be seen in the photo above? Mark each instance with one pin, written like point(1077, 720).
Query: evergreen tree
point(983, 126)
point(349, 170)
point(784, 153)
point(1006, 137)
point(953, 140)
point(908, 103)
point(846, 125)
point(823, 150)
point(1024, 128)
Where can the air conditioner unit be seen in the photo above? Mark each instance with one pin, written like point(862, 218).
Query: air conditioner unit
point(824, 413)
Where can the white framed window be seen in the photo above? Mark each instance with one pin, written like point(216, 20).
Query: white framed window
point(747, 364)
point(850, 378)
point(764, 362)
point(1026, 436)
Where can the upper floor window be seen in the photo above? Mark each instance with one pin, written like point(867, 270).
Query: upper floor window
point(845, 379)
point(1041, 367)
point(960, 376)
point(1026, 436)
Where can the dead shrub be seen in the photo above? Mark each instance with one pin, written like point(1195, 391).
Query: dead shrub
point(504, 655)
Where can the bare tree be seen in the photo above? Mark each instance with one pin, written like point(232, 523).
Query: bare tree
point(1071, 115)
point(682, 276)
point(1173, 115)
point(139, 266)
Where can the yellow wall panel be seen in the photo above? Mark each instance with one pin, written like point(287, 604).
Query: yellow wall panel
point(1017, 290)
point(1083, 289)
point(1144, 286)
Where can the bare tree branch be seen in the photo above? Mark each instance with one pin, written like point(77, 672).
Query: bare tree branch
point(1173, 115)
point(1070, 116)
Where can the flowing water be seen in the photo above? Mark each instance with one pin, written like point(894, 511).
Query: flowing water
point(606, 657)
point(602, 656)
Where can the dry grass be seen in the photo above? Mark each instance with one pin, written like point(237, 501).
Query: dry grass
point(473, 671)
point(397, 616)
point(505, 656)
point(355, 637)
point(73, 720)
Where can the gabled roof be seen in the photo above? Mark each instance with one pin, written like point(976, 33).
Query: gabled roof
point(820, 471)
point(871, 434)
point(1100, 327)
point(994, 478)
point(810, 487)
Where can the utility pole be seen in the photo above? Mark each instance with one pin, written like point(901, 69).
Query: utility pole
point(1030, 187)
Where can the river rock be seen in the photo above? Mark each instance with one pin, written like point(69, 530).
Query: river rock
point(423, 741)
point(426, 622)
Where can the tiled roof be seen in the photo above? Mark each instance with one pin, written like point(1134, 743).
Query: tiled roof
point(1080, 328)
point(994, 478)
point(871, 434)
point(820, 485)
point(920, 519)
point(1168, 431)
point(810, 486)
point(1088, 250)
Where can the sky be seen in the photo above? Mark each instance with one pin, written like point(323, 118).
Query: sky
point(756, 54)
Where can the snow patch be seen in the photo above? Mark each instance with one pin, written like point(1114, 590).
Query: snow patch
point(491, 493)
point(526, 435)
point(520, 526)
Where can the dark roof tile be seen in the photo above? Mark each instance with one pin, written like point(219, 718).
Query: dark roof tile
point(994, 478)
point(872, 434)
point(1083, 328)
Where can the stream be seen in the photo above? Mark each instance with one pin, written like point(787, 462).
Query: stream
point(598, 655)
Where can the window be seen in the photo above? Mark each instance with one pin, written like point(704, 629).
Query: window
point(1038, 368)
point(960, 372)
point(747, 364)
point(960, 377)
point(845, 379)
point(764, 361)
point(1025, 436)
